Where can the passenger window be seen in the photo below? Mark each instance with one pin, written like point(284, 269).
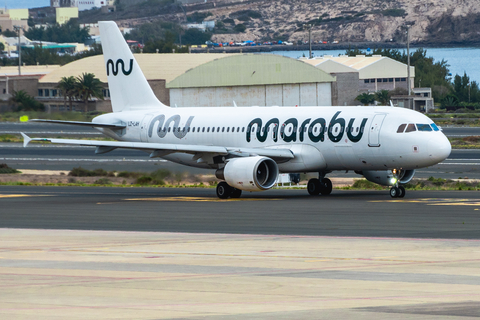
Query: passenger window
point(238, 129)
point(169, 129)
point(193, 129)
point(411, 128)
point(423, 127)
point(228, 129)
point(203, 130)
point(243, 129)
point(434, 126)
point(401, 128)
point(223, 129)
point(208, 129)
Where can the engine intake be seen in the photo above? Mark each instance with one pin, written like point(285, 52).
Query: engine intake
point(250, 173)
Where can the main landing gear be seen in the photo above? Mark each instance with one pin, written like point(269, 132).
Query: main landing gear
point(224, 191)
point(319, 186)
point(397, 191)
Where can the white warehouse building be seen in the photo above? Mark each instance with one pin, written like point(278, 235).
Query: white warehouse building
point(252, 79)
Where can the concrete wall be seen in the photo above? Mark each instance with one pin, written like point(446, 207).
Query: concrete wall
point(345, 89)
point(306, 94)
point(162, 93)
point(26, 83)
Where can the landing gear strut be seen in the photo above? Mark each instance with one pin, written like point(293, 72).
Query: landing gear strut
point(397, 191)
point(224, 191)
point(319, 186)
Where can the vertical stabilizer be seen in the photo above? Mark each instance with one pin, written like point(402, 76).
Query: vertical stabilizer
point(129, 89)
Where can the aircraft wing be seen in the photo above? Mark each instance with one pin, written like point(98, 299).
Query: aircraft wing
point(81, 123)
point(159, 149)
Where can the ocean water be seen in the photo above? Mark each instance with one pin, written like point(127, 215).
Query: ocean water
point(460, 60)
point(22, 4)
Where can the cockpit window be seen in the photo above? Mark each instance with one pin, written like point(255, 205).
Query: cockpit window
point(434, 126)
point(423, 127)
point(411, 127)
point(401, 128)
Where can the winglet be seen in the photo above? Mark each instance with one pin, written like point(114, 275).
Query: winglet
point(26, 139)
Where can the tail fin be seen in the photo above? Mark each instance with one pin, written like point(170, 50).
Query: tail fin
point(129, 89)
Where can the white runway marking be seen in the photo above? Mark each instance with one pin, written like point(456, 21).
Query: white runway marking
point(76, 160)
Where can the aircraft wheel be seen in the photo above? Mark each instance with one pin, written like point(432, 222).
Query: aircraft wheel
point(402, 192)
point(327, 187)
point(395, 192)
point(236, 193)
point(314, 187)
point(223, 190)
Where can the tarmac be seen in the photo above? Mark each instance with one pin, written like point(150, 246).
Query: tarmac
point(163, 253)
point(58, 274)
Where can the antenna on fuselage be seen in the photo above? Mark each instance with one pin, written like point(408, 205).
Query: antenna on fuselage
point(234, 104)
point(391, 103)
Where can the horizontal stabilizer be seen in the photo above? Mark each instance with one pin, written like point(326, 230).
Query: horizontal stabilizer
point(26, 139)
point(82, 123)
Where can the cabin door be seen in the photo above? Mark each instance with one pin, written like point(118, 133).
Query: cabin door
point(374, 132)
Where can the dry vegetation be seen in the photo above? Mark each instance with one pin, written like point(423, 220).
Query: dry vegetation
point(440, 21)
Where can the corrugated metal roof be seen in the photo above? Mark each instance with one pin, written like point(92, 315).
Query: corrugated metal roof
point(155, 66)
point(28, 70)
point(329, 66)
point(250, 69)
point(369, 67)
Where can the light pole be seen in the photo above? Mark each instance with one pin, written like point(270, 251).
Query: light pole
point(408, 60)
point(18, 29)
point(309, 27)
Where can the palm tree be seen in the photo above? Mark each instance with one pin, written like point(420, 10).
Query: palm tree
point(383, 96)
point(365, 98)
point(67, 85)
point(87, 87)
point(25, 102)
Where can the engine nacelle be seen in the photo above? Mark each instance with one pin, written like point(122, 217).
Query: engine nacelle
point(386, 178)
point(250, 173)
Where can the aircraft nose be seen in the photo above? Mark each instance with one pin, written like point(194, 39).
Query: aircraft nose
point(439, 148)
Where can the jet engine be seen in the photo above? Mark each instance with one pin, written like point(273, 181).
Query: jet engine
point(386, 178)
point(249, 173)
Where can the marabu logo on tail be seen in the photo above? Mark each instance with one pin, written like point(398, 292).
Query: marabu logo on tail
point(115, 67)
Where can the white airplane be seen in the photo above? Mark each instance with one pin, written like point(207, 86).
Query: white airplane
point(249, 146)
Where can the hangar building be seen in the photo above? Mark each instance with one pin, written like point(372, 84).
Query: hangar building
point(207, 80)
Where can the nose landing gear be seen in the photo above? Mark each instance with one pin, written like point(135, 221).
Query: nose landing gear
point(397, 191)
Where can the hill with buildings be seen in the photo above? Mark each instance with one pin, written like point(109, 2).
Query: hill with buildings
point(434, 21)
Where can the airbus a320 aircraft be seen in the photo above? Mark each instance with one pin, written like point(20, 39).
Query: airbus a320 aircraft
point(249, 146)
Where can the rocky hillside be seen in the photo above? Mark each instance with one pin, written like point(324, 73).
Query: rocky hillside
point(433, 21)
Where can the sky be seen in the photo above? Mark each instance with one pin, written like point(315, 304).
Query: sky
point(23, 4)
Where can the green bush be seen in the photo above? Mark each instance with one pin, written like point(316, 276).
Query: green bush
point(240, 28)
point(5, 169)
point(81, 172)
point(103, 181)
point(161, 174)
point(144, 180)
point(394, 12)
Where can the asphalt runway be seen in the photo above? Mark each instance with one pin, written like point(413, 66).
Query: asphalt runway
point(460, 164)
point(421, 214)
